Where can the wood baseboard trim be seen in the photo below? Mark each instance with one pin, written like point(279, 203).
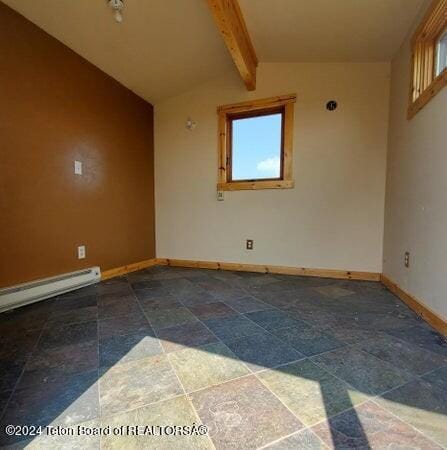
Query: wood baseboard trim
point(118, 271)
point(416, 305)
point(302, 271)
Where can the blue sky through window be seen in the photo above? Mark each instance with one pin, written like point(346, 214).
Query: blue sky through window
point(256, 147)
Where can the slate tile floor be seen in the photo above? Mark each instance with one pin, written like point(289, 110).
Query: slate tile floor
point(264, 361)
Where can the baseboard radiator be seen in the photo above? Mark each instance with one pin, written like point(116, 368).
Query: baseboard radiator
point(23, 294)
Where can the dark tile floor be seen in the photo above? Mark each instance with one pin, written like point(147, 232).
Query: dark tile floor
point(262, 360)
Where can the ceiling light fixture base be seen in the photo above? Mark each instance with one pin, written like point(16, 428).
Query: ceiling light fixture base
point(117, 7)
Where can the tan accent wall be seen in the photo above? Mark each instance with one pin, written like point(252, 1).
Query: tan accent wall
point(416, 206)
point(55, 107)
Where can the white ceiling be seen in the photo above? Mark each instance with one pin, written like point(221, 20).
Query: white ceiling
point(164, 47)
point(328, 30)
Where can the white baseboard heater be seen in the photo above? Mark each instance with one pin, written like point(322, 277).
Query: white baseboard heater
point(23, 294)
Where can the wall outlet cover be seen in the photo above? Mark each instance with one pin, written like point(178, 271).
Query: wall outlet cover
point(407, 259)
point(78, 167)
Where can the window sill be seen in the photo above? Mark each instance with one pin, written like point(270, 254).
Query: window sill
point(255, 185)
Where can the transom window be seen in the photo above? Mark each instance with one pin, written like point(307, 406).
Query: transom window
point(255, 146)
point(441, 52)
point(429, 69)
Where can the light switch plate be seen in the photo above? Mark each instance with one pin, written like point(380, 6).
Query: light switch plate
point(78, 167)
point(81, 252)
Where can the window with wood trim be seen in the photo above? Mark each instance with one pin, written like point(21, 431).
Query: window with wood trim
point(429, 71)
point(256, 144)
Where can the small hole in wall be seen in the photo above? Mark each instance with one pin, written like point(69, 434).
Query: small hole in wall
point(331, 105)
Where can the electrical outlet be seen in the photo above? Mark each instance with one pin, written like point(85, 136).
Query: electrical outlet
point(78, 168)
point(407, 259)
point(81, 252)
point(249, 244)
point(220, 196)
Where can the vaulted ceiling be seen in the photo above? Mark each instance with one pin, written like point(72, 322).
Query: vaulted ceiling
point(164, 47)
point(328, 30)
point(161, 48)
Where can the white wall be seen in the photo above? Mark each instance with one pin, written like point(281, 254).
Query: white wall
point(416, 205)
point(334, 216)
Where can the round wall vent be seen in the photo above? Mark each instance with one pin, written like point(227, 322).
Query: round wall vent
point(331, 105)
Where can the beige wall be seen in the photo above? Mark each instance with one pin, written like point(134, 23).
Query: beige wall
point(334, 216)
point(416, 207)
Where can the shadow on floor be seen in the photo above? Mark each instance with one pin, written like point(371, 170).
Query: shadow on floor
point(264, 359)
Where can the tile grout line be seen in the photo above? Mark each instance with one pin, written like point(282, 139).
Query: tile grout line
point(310, 324)
point(369, 398)
point(317, 327)
point(346, 344)
point(98, 370)
point(185, 394)
point(305, 357)
point(172, 370)
point(251, 373)
point(277, 441)
point(244, 289)
point(352, 345)
point(328, 417)
point(409, 343)
point(375, 397)
point(125, 411)
point(109, 368)
point(285, 342)
point(319, 422)
point(221, 342)
point(255, 373)
point(281, 365)
point(431, 371)
point(44, 328)
point(202, 322)
point(282, 403)
point(163, 352)
point(309, 427)
point(13, 391)
point(411, 374)
point(374, 400)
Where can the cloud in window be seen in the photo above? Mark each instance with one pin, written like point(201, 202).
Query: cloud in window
point(269, 165)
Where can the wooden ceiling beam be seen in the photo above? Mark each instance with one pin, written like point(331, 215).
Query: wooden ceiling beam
point(228, 17)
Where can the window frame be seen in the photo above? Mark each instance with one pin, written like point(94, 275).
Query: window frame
point(256, 108)
point(425, 84)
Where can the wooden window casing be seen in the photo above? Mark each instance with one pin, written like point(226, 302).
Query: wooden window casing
point(228, 113)
point(425, 83)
